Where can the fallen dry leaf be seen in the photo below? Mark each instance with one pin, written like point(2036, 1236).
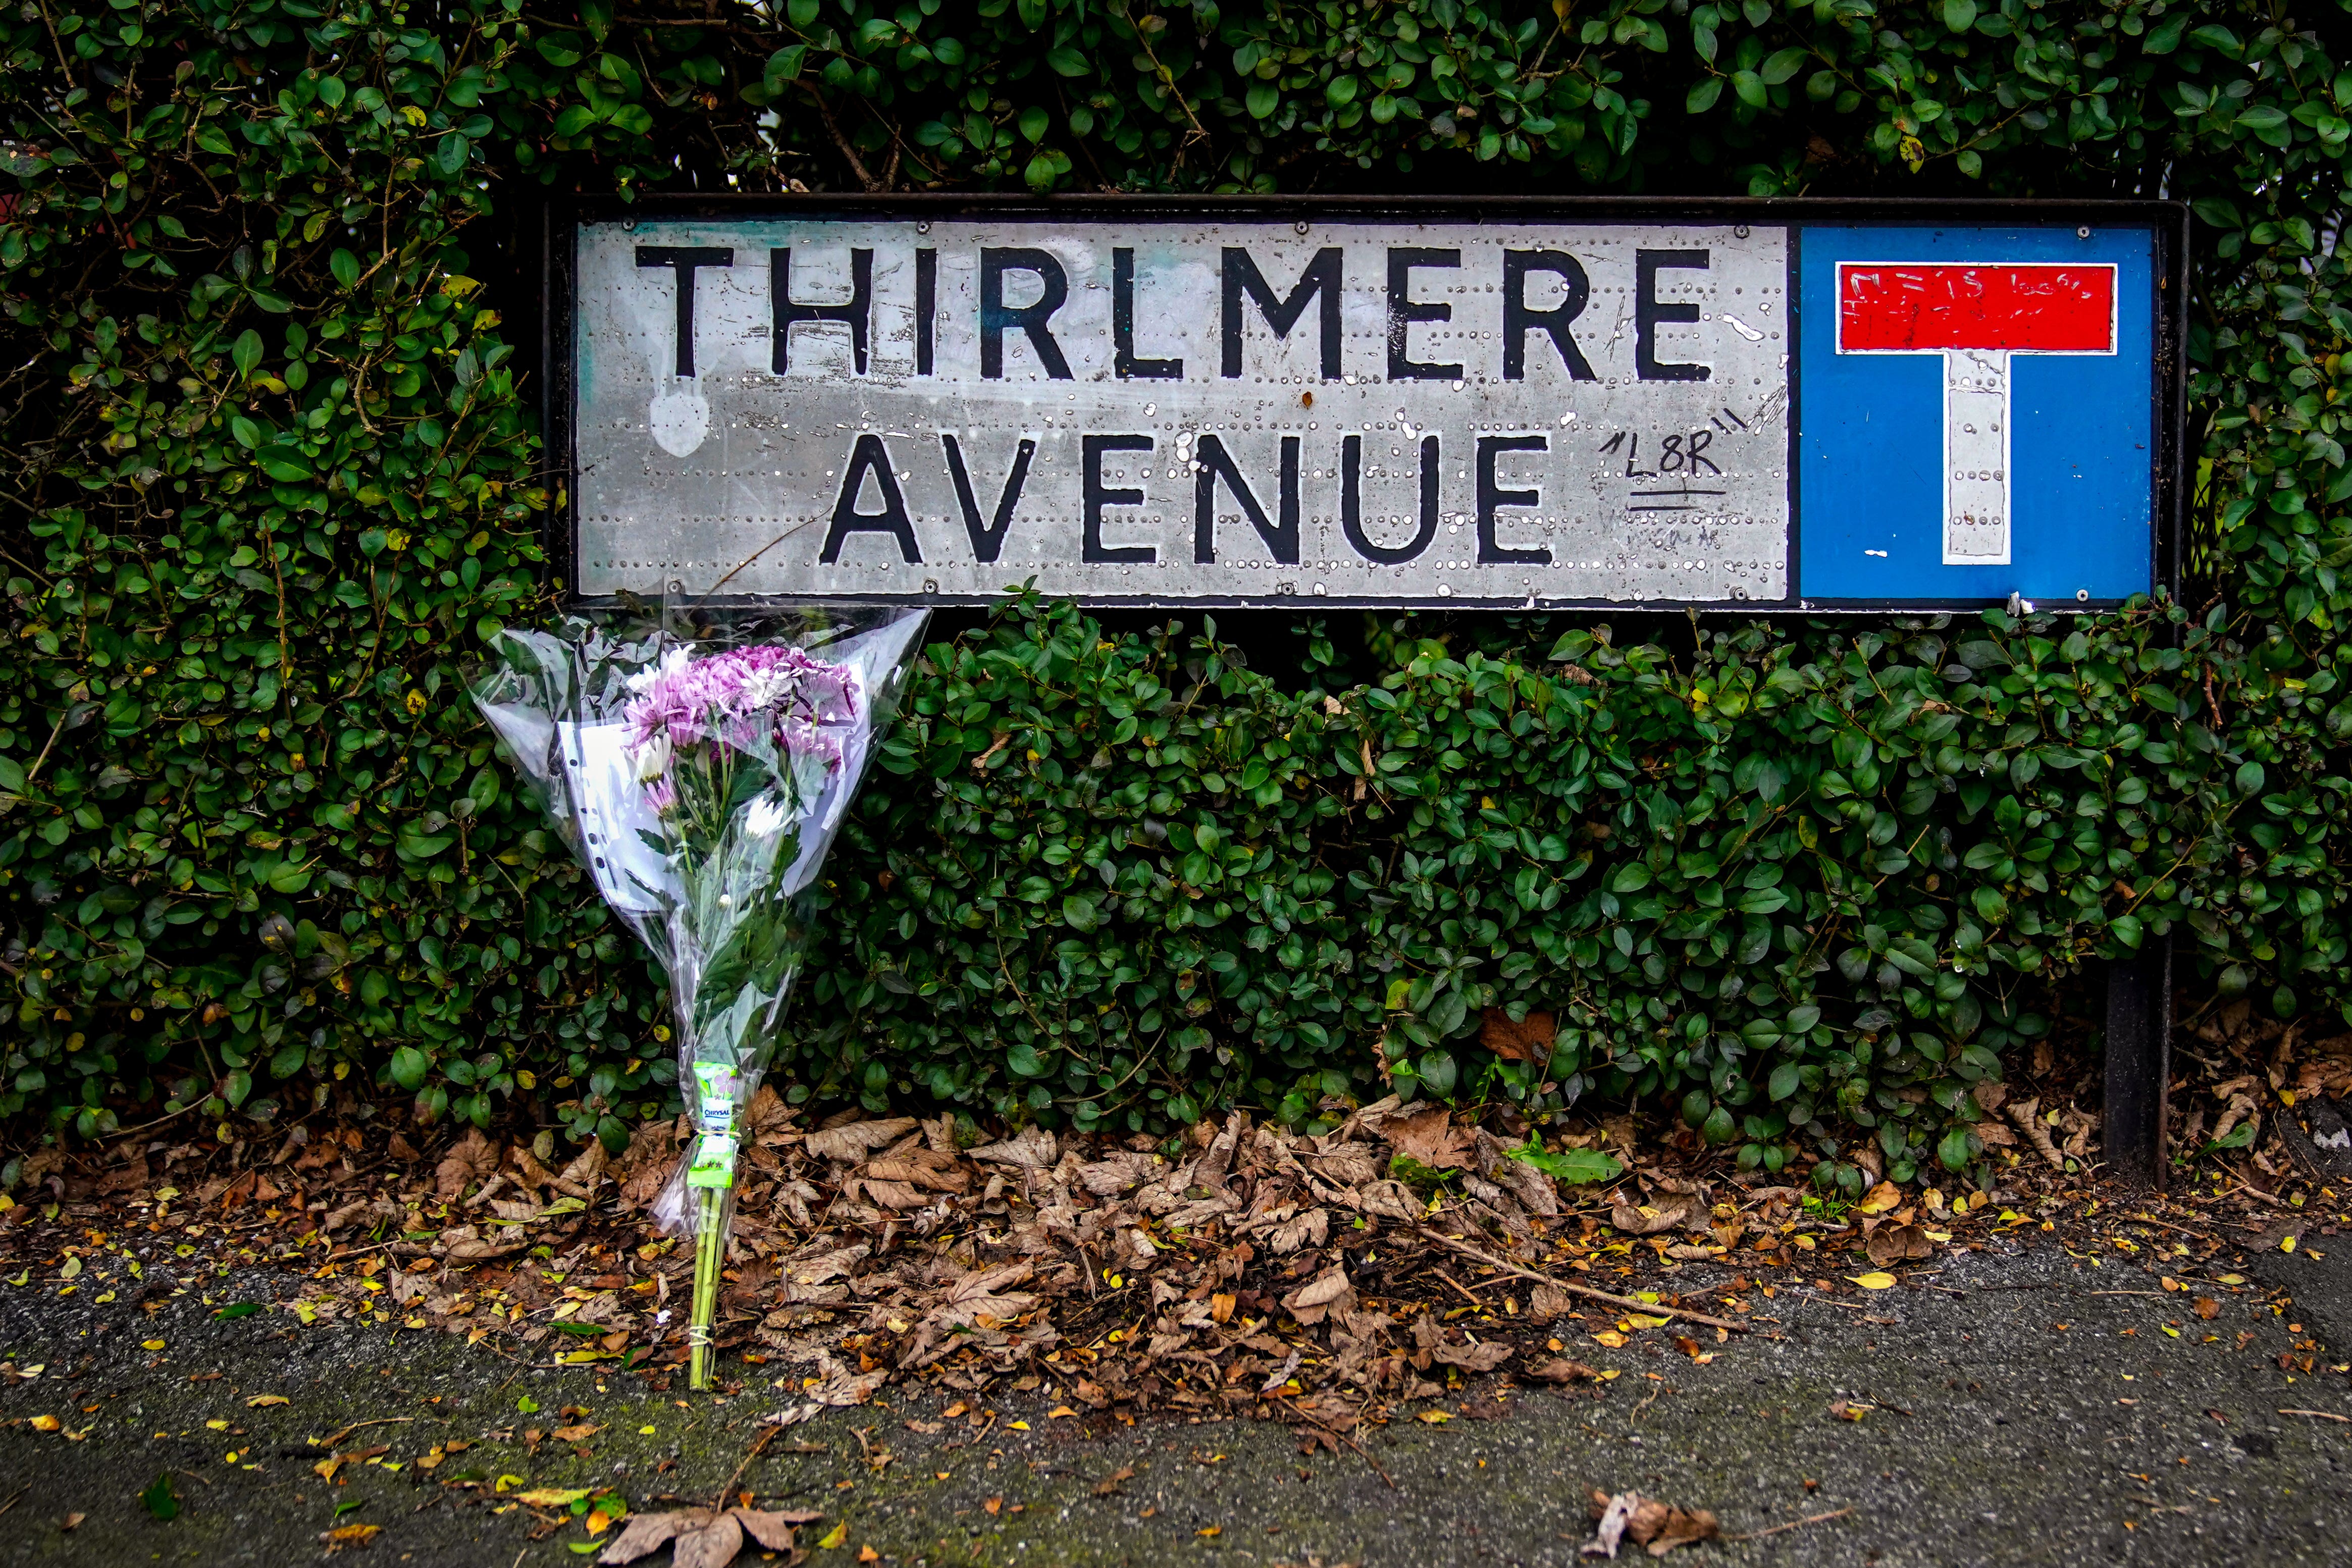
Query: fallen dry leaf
point(346, 1536)
point(702, 1539)
point(1526, 1039)
point(1430, 1137)
point(1881, 1199)
point(1562, 1369)
point(1650, 1219)
point(1327, 1293)
point(1898, 1243)
point(1656, 1527)
point(2208, 1308)
point(1873, 1281)
point(471, 1159)
point(855, 1140)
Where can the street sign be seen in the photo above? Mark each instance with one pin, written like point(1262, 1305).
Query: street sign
point(1537, 404)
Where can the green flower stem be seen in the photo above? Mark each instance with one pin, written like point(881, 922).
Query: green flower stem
point(710, 1244)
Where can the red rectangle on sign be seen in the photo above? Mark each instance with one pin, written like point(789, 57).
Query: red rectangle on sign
point(1922, 306)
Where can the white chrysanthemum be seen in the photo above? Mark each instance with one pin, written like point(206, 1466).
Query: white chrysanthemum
point(671, 663)
point(764, 818)
point(652, 759)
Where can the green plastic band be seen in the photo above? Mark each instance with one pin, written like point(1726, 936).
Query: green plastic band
point(714, 1162)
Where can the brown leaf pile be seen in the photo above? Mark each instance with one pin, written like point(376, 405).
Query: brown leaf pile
point(1242, 1269)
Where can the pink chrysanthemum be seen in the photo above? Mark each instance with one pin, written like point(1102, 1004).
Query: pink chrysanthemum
point(744, 697)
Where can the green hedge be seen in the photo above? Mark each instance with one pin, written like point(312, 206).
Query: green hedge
point(273, 477)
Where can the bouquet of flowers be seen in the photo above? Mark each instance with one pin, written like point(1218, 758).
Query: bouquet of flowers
point(700, 770)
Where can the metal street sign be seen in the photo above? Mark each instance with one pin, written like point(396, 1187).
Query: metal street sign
point(1541, 404)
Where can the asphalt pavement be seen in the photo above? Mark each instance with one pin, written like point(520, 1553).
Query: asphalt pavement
point(2024, 1404)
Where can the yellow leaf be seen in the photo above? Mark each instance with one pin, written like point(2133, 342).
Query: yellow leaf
point(2233, 1279)
point(645, 1431)
point(553, 1497)
point(1611, 1338)
point(836, 1536)
point(506, 1482)
point(1873, 1281)
point(1938, 1237)
point(1612, 1372)
point(1435, 1417)
point(2286, 1244)
point(351, 1534)
point(260, 1400)
point(1640, 1321)
point(150, 1344)
point(599, 1521)
point(1212, 1532)
point(218, 1426)
point(46, 1423)
point(1017, 1425)
point(1880, 1199)
point(1059, 1410)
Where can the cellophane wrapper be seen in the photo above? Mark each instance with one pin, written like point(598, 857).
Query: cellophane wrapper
point(700, 764)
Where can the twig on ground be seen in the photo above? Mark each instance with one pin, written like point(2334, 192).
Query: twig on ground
point(379, 1421)
point(1343, 1437)
point(1469, 1294)
point(2322, 1414)
point(1793, 1524)
point(1626, 1304)
point(20, 1491)
point(762, 1441)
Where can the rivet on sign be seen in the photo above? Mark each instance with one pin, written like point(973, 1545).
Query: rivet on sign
point(1300, 225)
point(2082, 233)
point(2081, 595)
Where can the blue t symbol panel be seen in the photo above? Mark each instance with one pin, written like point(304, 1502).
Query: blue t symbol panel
point(1961, 468)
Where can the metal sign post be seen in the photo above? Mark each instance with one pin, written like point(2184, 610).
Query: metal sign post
point(1817, 407)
